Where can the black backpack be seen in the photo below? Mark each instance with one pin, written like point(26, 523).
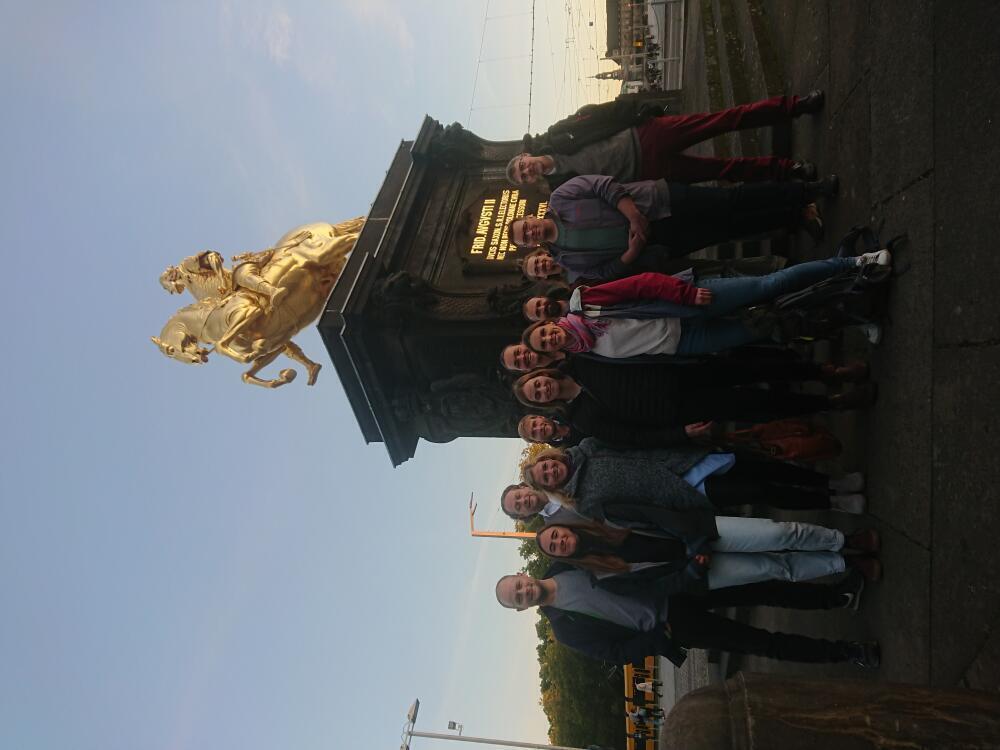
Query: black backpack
point(853, 297)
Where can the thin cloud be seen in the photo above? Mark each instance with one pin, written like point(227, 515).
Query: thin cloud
point(388, 17)
point(278, 35)
point(265, 29)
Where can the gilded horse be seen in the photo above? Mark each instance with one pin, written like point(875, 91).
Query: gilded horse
point(254, 325)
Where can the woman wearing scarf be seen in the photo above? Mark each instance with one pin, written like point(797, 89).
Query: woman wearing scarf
point(656, 314)
point(681, 479)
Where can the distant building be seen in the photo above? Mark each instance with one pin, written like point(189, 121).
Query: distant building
point(646, 39)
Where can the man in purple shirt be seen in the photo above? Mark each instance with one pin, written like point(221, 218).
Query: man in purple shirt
point(598, 228)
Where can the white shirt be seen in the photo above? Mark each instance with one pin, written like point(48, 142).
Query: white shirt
point(630, 337)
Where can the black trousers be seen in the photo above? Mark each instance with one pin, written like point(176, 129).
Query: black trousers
point(713, 390)
point(703, 216)
point(761, 482)
point(743, 371)
point(693, 625)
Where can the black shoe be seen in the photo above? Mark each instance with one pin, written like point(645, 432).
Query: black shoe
point(865, 654)
point(828, 187)
point(850, 589)
point(803, 170)
point(809, 104)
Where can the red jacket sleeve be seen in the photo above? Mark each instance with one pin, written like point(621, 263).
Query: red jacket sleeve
point(641, 286)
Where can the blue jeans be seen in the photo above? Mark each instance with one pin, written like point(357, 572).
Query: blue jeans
point(707, 334)
point(750, 550)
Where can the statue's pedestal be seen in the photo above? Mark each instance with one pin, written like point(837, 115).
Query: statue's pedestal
point(431, 294)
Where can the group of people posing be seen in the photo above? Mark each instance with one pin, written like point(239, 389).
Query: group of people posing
point(632, 358)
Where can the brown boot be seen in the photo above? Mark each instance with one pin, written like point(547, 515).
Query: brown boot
point(812, 222)
point(853, 372)
point(868, 567)
point(864, 540)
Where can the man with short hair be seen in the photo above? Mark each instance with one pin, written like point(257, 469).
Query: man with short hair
point(597, 227)
point(520, 358)
point(519, 501)
point(620, 619)
point(652, 149)
point(539, 265)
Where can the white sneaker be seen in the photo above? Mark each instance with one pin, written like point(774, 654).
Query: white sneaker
point(853, 503)
point(872, 332)
point(879, 258)
point(853, 482)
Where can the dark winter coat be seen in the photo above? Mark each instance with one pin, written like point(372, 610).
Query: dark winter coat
point(608, 641)
point(627, 397)
point(603, 474)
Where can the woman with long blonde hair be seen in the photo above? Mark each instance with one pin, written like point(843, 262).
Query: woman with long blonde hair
point(684, 478)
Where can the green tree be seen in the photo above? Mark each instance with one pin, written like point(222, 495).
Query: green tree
point(582, 698)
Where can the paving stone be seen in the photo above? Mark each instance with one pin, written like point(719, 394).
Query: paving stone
point(902, 95)
point(801, 27)
point(984, 672)
point(911, 127)
point(850, 43)
point(848, 156)
point(965, 593)
point(900, 480)
point(966, 134)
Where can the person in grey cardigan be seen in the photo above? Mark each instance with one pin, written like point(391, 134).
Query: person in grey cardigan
point(685, 478)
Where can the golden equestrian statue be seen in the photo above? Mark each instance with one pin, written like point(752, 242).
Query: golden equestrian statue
point(251, 313)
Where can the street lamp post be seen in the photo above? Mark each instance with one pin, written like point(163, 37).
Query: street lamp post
point(496, 534)
point(409, 732)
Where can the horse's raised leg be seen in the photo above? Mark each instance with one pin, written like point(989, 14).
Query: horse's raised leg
point(294, 352)
point(284, 377)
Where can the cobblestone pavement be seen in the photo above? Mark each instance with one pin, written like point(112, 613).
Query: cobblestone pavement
point(911, 126)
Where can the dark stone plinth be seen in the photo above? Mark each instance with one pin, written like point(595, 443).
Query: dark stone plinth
point(431, 294)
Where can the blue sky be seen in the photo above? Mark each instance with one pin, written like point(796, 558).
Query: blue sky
point(186, 561)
